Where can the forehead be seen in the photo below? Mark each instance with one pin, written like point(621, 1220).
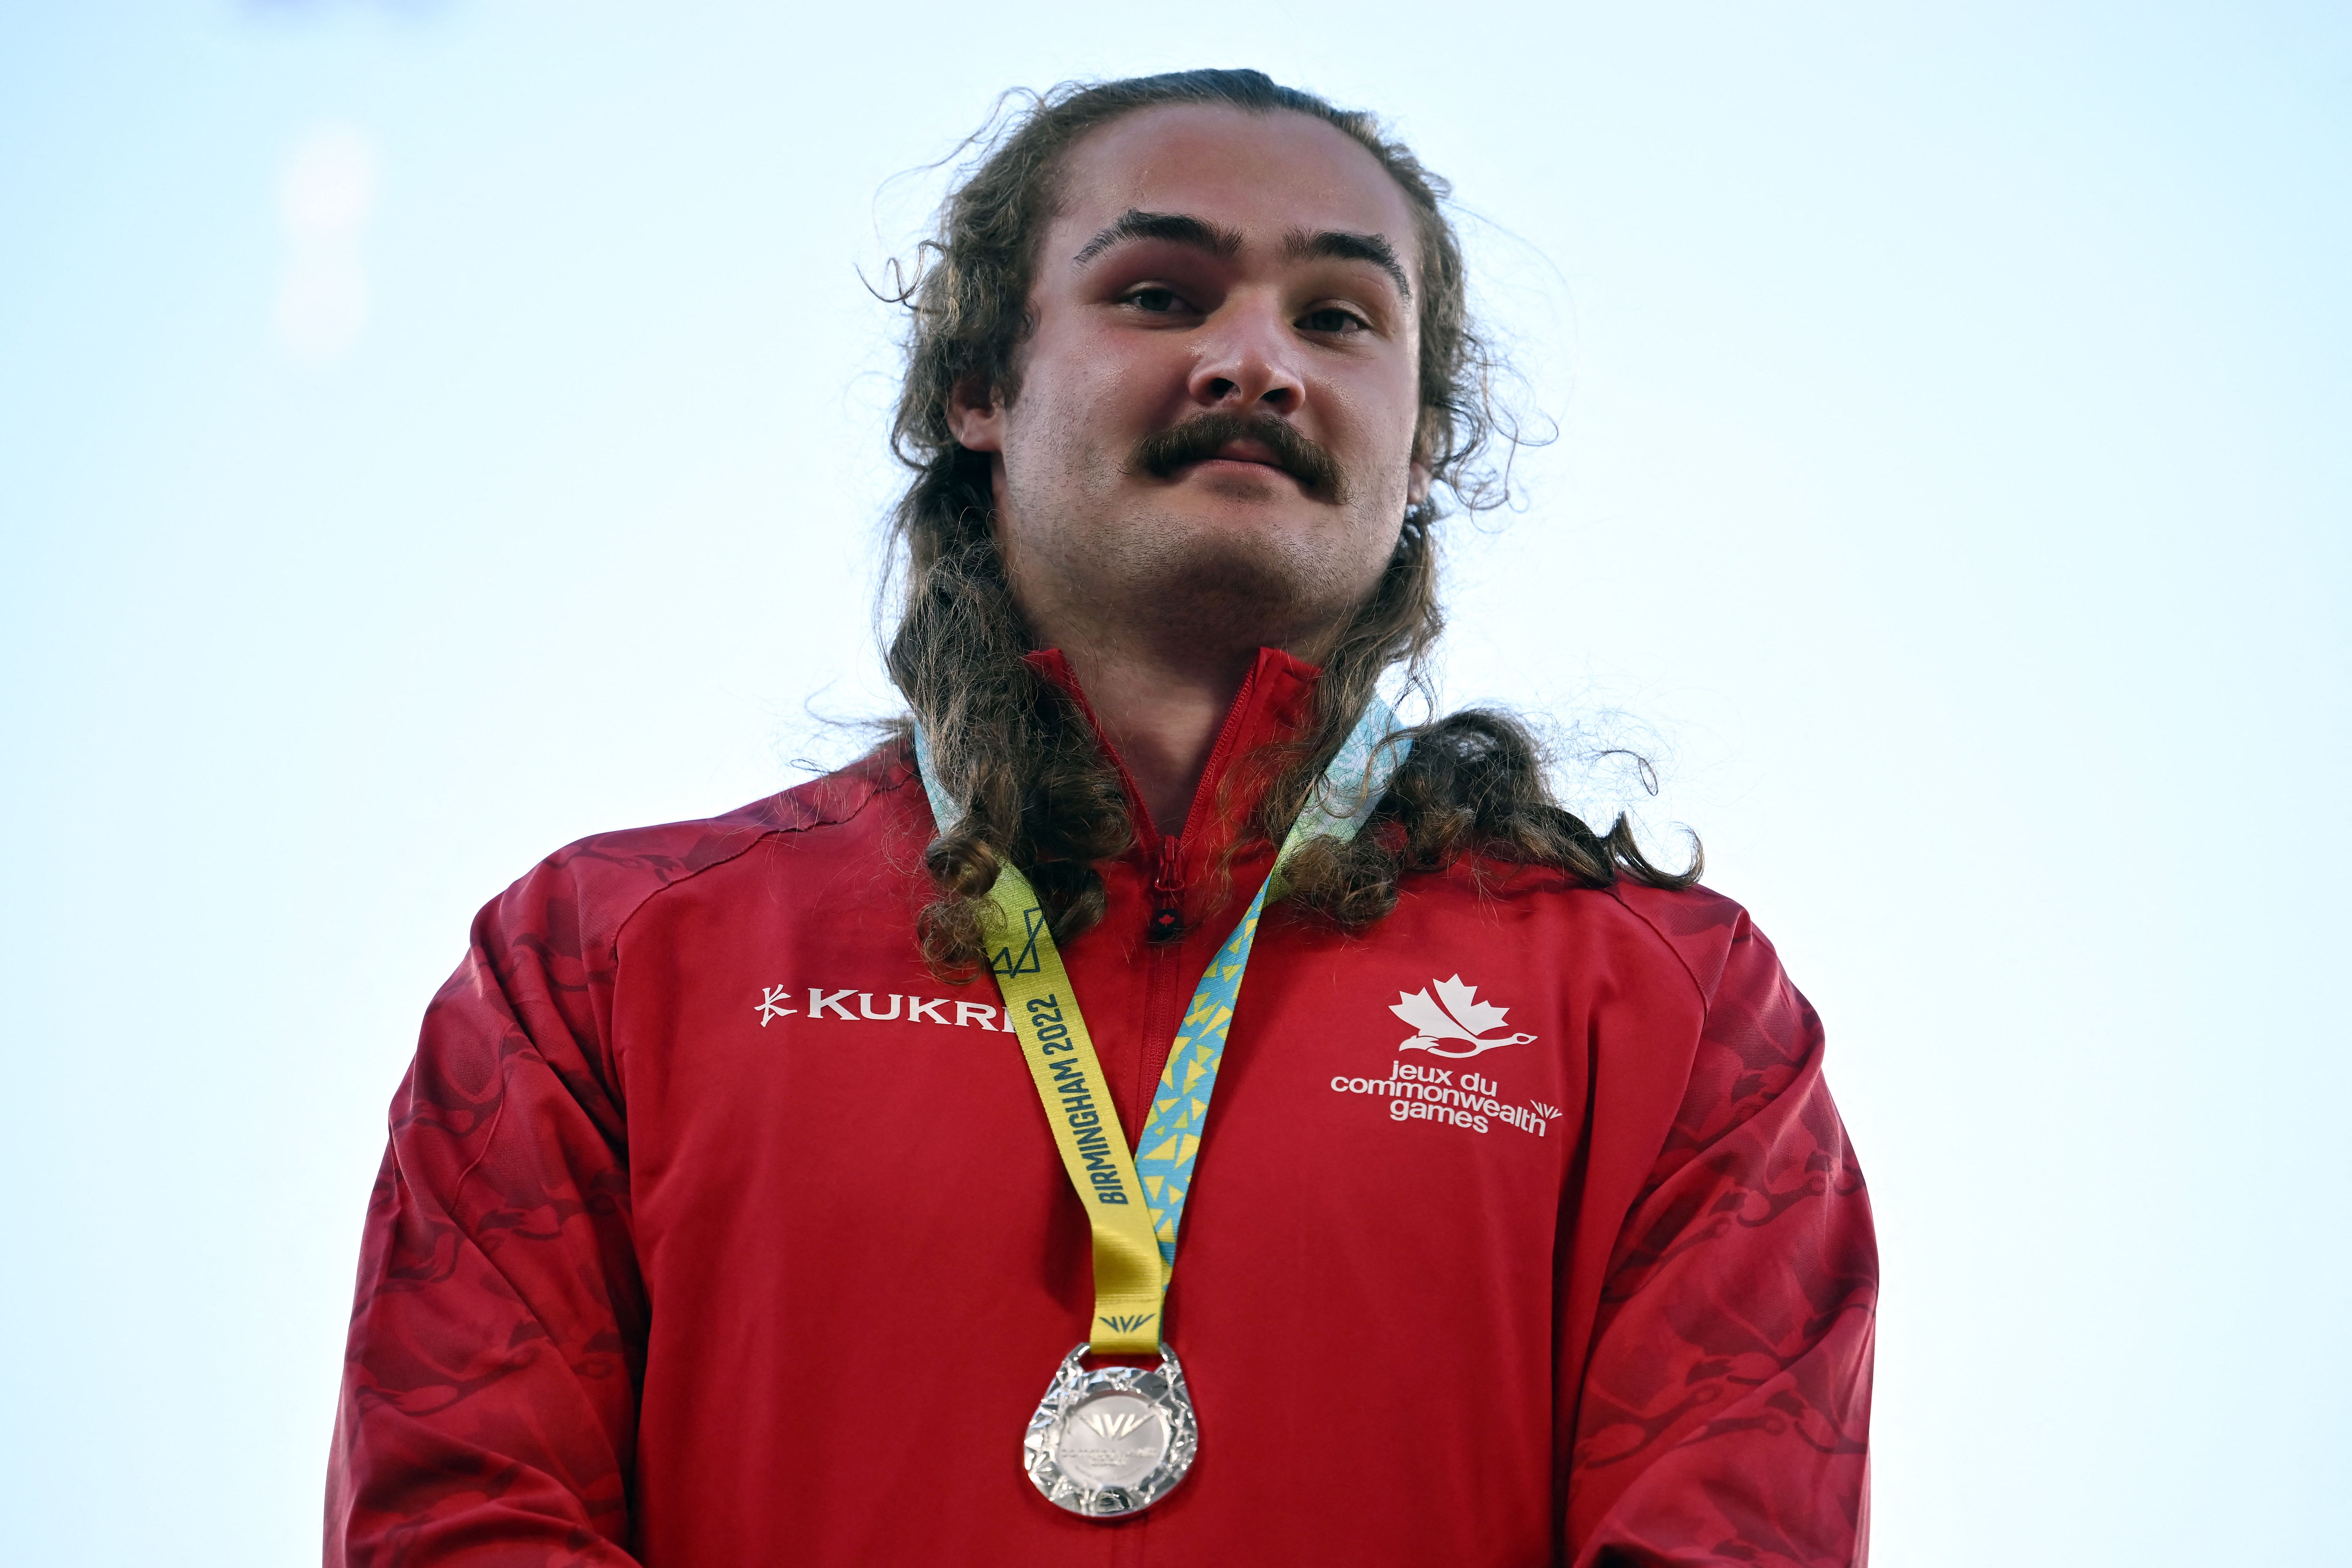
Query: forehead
point(1261, 175)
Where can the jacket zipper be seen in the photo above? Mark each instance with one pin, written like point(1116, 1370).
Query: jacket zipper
point(1164, 996)
point(1162, 1008)
point(1168, 892)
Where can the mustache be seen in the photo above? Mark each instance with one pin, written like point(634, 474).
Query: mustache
point(1163, 451)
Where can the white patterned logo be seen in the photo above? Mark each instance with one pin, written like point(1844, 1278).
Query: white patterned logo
point(1457, 1014)
point(1116, 1424)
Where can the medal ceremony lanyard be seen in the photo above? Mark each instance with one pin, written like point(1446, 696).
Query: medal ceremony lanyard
point(1136, 1221)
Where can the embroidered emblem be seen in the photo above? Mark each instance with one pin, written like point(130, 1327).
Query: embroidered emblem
point(772, 1005)
point(1459, 1015)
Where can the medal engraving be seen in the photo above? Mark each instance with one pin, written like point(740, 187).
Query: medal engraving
point(1113, 1441)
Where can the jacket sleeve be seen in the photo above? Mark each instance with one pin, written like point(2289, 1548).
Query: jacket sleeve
point(490, 1389)
point(1726, 1405)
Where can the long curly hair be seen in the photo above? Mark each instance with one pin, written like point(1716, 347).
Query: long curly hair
point(1039, 791)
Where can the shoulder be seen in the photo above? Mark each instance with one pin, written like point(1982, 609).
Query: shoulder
point(1711, 937)
point(1760, 1041)
point(578, 899)
point(1667, 940)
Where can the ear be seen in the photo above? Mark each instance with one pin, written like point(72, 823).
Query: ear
point(975, 418)
point(1420, 473)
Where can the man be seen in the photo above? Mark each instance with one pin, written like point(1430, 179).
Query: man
point(755, 1175)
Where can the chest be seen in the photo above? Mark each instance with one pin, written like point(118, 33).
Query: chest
point(1436, 1067)
point(843, 1181)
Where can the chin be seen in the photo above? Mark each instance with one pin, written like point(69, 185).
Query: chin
point(1240, 581)
point(1249, 510)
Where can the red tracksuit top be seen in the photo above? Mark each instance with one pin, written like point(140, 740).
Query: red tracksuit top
point(715, 1232)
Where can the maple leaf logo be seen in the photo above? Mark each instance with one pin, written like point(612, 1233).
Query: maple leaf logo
point(1457, 1014)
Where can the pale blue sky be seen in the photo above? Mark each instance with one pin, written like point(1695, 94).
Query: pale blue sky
point(429, 434)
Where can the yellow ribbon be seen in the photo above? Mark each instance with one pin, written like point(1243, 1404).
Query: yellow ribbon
point(1130, 1281)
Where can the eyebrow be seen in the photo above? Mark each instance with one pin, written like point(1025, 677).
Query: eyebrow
point(1176, 228)
point(1182, 228)
point(1338, 244)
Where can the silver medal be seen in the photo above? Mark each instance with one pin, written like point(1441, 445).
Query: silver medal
point(1113, 1441)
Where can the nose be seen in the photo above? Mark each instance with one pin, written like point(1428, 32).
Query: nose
point(1248, 360)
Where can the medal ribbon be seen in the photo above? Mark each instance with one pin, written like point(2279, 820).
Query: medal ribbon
point(1136, 1205)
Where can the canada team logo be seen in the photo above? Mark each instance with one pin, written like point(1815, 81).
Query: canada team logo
point(1457, 1014)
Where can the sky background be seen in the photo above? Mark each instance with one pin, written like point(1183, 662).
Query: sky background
point(432, 433)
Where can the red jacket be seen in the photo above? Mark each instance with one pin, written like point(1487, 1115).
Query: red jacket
point(715, 1232)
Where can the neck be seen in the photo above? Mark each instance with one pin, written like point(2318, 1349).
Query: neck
point(1162, 717)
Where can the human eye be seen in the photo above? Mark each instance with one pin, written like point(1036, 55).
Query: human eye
point(1154, 299)
point(1334, 320)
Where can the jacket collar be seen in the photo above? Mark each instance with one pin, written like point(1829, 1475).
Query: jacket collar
point(1275, 703)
